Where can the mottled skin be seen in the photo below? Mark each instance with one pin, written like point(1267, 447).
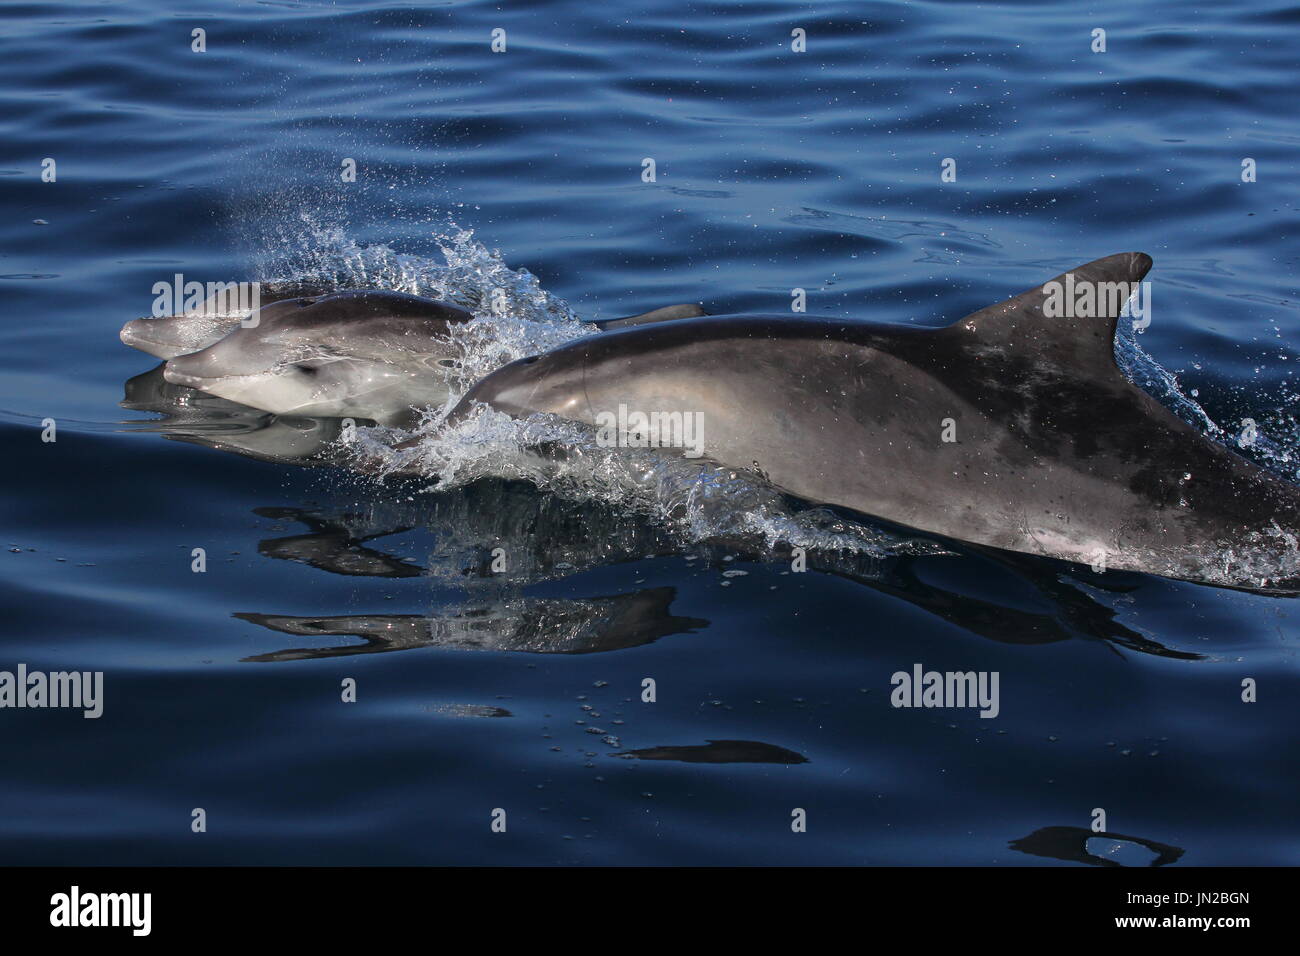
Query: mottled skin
point(1056, 453)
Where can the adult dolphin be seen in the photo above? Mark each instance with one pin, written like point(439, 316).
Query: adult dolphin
point(1012, 428)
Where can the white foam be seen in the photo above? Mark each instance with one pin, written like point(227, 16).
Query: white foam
point(697, 500)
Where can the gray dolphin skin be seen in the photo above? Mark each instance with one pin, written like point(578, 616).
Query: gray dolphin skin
point(371, 354)
point(197, 328)
point(1050, 450)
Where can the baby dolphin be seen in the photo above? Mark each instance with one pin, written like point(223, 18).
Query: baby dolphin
point(1011, 428)
point(368, 354)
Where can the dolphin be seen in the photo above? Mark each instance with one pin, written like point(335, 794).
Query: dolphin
point(209, 322)
point(371, 354)
point(375, 355)
point(1012, 428)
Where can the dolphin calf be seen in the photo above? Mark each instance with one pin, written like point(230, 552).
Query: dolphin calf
point(1011, 428)
point(373, 354)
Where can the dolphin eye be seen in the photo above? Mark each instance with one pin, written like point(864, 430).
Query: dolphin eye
point(306, 369)
point(303, 303)
point(448, 363)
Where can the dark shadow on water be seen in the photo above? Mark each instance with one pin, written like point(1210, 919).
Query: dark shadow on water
point(333, 545)
point(718, 751)
point(1071, 844)
point(188, 415)
point(996, 595)
point(527, 625)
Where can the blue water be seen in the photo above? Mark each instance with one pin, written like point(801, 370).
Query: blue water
point(775, 170)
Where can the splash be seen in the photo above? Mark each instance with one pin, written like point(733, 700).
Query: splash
point(695, 501)
point(469, 274)
point(1256, 443)
point(514, 318)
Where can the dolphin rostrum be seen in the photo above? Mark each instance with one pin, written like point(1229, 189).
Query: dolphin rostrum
point(1012, 428)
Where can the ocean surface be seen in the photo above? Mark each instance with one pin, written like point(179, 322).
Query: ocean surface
point(516, 693)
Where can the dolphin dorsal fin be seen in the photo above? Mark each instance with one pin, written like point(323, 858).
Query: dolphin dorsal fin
point(686, 310)
point(1068, 322)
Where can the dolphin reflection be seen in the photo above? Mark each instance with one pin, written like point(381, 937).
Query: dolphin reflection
point(1013, 599)
point(198, 418)
point(1018, 599)
point(332, 545)
point(523, 625)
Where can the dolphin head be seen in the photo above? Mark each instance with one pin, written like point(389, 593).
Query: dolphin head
point(360, 354)
point(554, 382)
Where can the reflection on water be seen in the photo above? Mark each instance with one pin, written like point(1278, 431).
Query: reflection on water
point(334, 545)
point(1070, 611)
point(720, 751)
point(192, 416)
point(1076, 845)
point(509, 537)
point(529, 625)
point(540, 538)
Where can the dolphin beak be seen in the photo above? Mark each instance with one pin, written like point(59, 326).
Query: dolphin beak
point(178, 371)
point(136, 334)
